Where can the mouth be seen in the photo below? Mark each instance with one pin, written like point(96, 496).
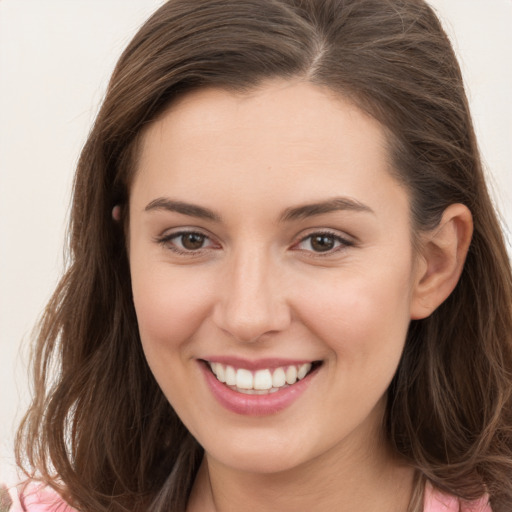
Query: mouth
point(263, 381)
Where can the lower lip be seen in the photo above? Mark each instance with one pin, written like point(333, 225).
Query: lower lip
point(255, 405)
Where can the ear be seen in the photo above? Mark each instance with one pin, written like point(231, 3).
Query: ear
point(116, 213)
point(442, 255)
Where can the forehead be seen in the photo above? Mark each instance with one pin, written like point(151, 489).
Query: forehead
point(283, 141)
point(275, 102)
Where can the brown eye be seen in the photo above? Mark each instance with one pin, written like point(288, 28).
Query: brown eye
point(322, 243)
point(187, 242)
point(192, 241)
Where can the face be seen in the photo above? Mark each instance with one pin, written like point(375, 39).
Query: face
point(273, 272)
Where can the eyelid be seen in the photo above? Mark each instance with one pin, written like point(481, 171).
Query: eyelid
point(166, 240)
point(344, 240)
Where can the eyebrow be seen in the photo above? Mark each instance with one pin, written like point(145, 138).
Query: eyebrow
point(192, 210)
point(290, 214)
point(331, 205)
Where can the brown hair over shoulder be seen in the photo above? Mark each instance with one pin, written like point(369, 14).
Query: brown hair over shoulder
point(99, 428)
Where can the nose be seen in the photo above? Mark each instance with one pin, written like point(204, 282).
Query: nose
point(252, 301)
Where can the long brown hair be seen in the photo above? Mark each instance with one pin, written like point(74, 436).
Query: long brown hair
point(99, 428)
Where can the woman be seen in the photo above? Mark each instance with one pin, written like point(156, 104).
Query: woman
point(288, 289)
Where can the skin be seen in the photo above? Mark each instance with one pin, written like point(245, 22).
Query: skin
point(258, 289)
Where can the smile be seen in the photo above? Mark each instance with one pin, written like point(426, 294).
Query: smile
point(260, 382)
point(260, 388)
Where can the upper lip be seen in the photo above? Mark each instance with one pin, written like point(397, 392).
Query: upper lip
point(259, 364)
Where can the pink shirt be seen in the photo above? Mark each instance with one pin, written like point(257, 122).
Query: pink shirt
point(37, 498)
point(436, 501)
point(43, 499)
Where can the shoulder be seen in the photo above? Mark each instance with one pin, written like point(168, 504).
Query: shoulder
point(34, 497)
point(437, 501)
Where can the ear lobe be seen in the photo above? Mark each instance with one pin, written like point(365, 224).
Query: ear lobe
point(443, 253)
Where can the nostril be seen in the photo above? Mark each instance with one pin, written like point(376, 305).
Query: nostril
point(251, 305)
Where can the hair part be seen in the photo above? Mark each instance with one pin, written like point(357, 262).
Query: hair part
point(104, 426)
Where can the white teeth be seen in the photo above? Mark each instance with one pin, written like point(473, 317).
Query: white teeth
point(278, 378)
point(291, 375)
point(303, 370)
point(244, 379)
point(218, 369)
point(230, 375)
point(262, 379)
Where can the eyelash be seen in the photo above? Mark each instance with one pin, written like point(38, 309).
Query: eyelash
point(167, 242)
point(343, 243)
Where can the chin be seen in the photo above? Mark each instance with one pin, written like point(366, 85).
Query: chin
point(264, 454)
point(262, 463)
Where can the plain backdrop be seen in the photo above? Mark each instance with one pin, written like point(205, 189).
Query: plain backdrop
point(55, 60)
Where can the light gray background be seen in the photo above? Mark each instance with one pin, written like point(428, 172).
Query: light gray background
point(55, 60)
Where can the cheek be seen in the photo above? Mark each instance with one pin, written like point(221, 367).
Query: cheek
point(170, 306)
point(361, 316)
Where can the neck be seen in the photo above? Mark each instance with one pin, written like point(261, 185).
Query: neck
point(342, 480)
